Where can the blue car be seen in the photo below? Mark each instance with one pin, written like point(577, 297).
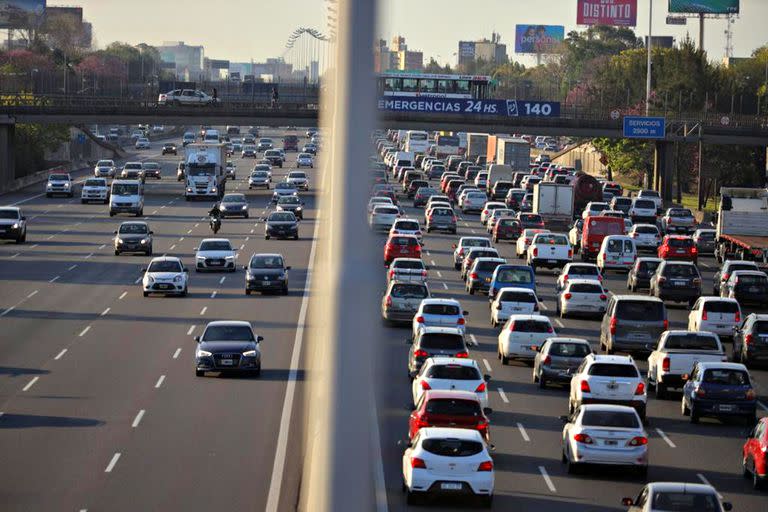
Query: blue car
point(719, 390)
point(520, 276)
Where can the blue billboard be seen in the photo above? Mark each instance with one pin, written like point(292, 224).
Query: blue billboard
point(639, 127)
point(538, 38)
point(468, 106)
point(14, 13)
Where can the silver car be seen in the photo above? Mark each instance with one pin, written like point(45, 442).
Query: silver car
point(704, 240)
point(632, 323)
point(259, 179)
point(557, 359)
point(402, 300)
point(234, 205)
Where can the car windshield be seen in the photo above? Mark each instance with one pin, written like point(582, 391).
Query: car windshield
point(582, 270)
point(238, 198)
point(691, 341)
point(508, 223)
point(58, 177)
point(585, 288)
point(9, 214)
point(125, 189)
point(707, 236)
point(282, 217)
point(647, 230)
point(407, 225)
point(104, 163)
point(680, 271)
point(164, 266)
point(297, 175)
point(271, 261)
point(95, 183)
point(284, 186)
point(684, 502)
point(134, 229)
point(517, 296)
point(215, 245)
point(151, 166)
point(680, 213)
point(454, 407)
point(482, 253)
point(452, 447)
point(721, 306)
point(487, 266)
point(640, 203)
point(260, 174)
point(453, 372)
point(515, 275)
point(228, 333)
point(538, 326)
point(640, 310)
point(613, 370)
point(475, 242)
point(649, 266)
point(289, 200)
point(733, 267)
point(614, 419)
point(442, 341)
point(751, 279)
point(531, 218)
point(561, 349)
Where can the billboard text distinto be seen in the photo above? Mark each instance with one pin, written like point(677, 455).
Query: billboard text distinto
point(621, 13)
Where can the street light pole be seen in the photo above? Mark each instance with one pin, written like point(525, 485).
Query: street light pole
point(649, 46)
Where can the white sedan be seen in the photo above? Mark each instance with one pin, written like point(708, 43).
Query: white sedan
point(298, 179)
point(448, 374)
point(165, 275)
point(583, 297)
point(215, 254)
point(142, 143)
point(520, 334)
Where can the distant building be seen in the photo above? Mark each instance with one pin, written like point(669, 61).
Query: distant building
point(215, 69)
point(488, 50)
point(187, 60)
point(396, 57)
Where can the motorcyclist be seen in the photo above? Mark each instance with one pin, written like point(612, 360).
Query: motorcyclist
point(215, 215)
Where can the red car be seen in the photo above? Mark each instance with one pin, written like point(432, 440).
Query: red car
point(755, 454)
point(506, 229)
point(530, 221)
point(678, 247)
point(401, 246)
point(445, 179)
point(443, 408)
point(452, 187)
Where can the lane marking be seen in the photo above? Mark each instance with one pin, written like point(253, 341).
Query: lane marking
point(17, 254)
point(432, 262)
point(559, 323)
point(445, 286)
point(112, 462)
point(191, 329)
point(189, 231)
point(50, 237)
point(138, 280)
point(176, 354)
point(60, 355)
point(73, 267)
point(665, 438)
point(439, 274)
point(547, 480)
point(474, 340)
point(7, 310)
point(181, 239)
point(523, 433)
point(503, 395)
point(197, 224)
point(30, 383)
point(221, 281)
point(32, 294)
point(213, 294)
point(34, 246)
point(84, 331)
point(137, 419)
point(89, 255)
point(160, 381)
point(202, 311)
point(172, 247)
point(242, 247)
point(122, 295)
point(102, 246)
point(103, 313)
point(154, 212)
point(247, 238)
point(543, 306)
point(251, 231)
point(487, 365)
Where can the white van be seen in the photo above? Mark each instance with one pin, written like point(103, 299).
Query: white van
point(212, 136)
point(126, 196)
point(618, 252)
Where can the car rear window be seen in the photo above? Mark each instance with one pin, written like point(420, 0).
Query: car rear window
point(613, 370)
point(442, 212)
point(726, 377)
point(721, 306)
point(640, 203)
point(515, 275)
point(691, 341)
point(582, 270)
point(487, 266)
point(508, 222)
point(748, 279)
point(551, 239)
point(569, 350)
point(680, 242)
point(680, 213)
point(685, 502)
point(642, 310)
point(442, 341)
point(515, 296)
point(624, 201)
point(610, 419)
point(647, 230)
point(733, 267)
point(707, 236)
point(407, 225)
point(480, 253)
point(649, 266)
point(680, 271)
point(530, 217)
point(531, 326)
point(453, 407)
point(761, 328)
point(475, 242)
point(441, 309)
point(409, 291)
point(454, 372)
point(585, 288)
point(403, 240)
point(452, 447)
point(413, 264)
point(387, 211)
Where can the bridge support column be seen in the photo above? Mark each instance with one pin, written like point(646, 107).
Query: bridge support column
point(7, 157)
point(663, 163)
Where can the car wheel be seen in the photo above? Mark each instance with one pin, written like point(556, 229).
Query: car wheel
point(285, 290)
point(471, 290)
point(571, 467)
point(247, 291)
point(661, 391)
point(504, 359)
point(146, 294)
point(486, 501)
point(48, 195)
point(185, 292)
point(117, 253)
point(542, 381)
point(757, 482)
point(266, 237)
point(246, 216)
point(83, 201)
point(199, 373)
point(411, 498)
point(694, 416)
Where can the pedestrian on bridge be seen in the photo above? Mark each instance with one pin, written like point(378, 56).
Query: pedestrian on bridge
point(275, 97)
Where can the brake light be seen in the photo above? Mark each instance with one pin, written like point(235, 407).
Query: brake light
point(462, 355)
point(665, 365)
point(612, 326)
point(431, 217)
point(424, 273)
point(583, 438)
point(421, 353)
point(694, 250)
point(725, 277)
point(570, 253)
point(461, 321)
point(535, 251)
point(638, 441)
point(550, 330)
point(704, 315)
point(485, 466)
point(585, 387)
point(391, 274)
point(482, 427)
point(666, 324)
point(417, 463)
point(640, 389)
point(633, 235)
point(603, 296)
point(750, 394)
point(700, 391)
point(567, 296)
point(565, 277)
point(696, 280)
point(662, 279)
point(473, 275)
point(749, 339)
point(737, 317)
point(425, 385)
point(388, 301)
point(512, 326)
point(547, 361)
point(420, 319)
point(527, 241)
point(480, 388)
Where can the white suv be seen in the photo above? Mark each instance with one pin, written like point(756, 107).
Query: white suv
point(604, 379)
point(549, 250)
point(719, 315)
point(95, 189)
point(59, 183)
point(439, 313)
point(520, 334)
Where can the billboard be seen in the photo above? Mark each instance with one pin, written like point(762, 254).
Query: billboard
point(538, 38)
point(621, 13)
point(704, 6)
point(14, 13)
point(467, 49)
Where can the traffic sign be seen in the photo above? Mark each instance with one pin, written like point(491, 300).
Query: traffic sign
point(615, 114)
point(639, 127)
point(725, 120)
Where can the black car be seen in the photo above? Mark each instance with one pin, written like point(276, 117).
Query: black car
point(750, 342)
point(133, 236)
point(170, 149)
point(747, 287)
point(275, 158)
point(228, 346)
point(677, 281)
point(434, 341)
point(266, 273)
point(309, 148)
point(639, 275)
point(281, 225)
point(152, 170)
point(234, 205)
point(292, 204)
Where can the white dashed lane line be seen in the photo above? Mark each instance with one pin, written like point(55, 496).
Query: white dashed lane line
point(221, 281)
point(84, 331)
point(172, 247)
point(189, 231)
point(523, 433)
point(445, 286)
point(213, 294)
point(137, 419)
point(503, 395)
point(73, 267)
point(15, 255)
point(665, 438)
point(60, 354)
point(88, 256)
point(762, 405)
point(546, 478)
point(191, 330)
point(102, 246)
point(160, 381)
point(439, 274)
point(559, 323)
point(474, 340)
point(122, 295)
point(104, 313)
point(487, 365)
point(176, 354)
point(30, 383)
point(202, 311)
point(32, 294)
point(112, 463)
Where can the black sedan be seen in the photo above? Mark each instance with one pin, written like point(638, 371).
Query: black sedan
point(281, 225)
point(228, 346)
point(266, 273)
point(170, 149)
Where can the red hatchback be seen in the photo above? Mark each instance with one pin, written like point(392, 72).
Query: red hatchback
point(401, 246)
point(506, 229)
point(754, 454)
point(530, 221)
point(677, 247)
point(455, 409)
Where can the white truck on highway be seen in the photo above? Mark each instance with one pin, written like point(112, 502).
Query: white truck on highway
point(515, 153)
point(676, 354)
point(554, 202)
point(498, 172)
point(742, 224)
point(205, 171)
point(416, 141)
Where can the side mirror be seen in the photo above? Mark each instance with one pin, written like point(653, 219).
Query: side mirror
point(23, 217)
point(627, 502)
point(685, 377)
point(453, 246)
point(535, 348)
point(151, 232)
point(259, 338)
point(115, 232)
point(288, 267)
point(185, 270)
point(492, 447)
point(197, 339)
point(486, 377)
point(487, 411)
point(413, 374)
point(465, 313)
point(143, 269)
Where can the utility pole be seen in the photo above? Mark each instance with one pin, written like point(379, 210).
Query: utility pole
point(649, 46)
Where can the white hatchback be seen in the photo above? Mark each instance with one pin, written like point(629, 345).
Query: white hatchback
point(510, 301)
point(520, 334)
point(407, 227)
point(617, 252)
point(383, 216)
point(646, 236)
point(439, 313)
point(473, 202)
point(582, 296)
point(165, 275)
point(719, 315)
point(577, 271)
point(594, 208)
point(451, 374)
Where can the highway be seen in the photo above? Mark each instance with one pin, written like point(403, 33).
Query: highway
point(525, 424)
point(101, 409)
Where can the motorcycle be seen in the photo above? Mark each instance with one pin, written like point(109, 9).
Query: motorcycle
point(215, 223)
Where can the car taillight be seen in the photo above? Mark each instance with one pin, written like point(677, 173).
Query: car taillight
point(485, 212)
point(704, 315)
point(482, 427)
point(421, 353)
point(666, 324)
point(633, 235)
point(425, 385)
point(527, 241)
point(417, 463)
point(725, 277)
point(462, 355)
point(603, 296)
point(662, 279)
point(612, 326)
point(737, 317)
point(640, 389)
point(473, 275)
point(570, 253)
point(431, 217)
point(585, 387)
point(638, 441)
point(512, 326)
point(391, 274)
point(567, 296)
point(420, 319)
point(547, 361)
point(665, 365)
point(565, 278)
point(485, 466)
point(694, 250)
point(461, 321)
point(700, 391)
point(535, 251)
point(480, 388)
point(583, 438)
point(696, 280)
point(388, 301)
point(424, 273)
point(749, 339)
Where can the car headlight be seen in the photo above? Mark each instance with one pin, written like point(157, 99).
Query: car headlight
point(230, 257)
point(203, 353)
point(201, 258)
point(66, 185)
point(213, 189)
point(150, 279)
point(15, 226)
point(282, 276)
point(249, 353)
point(143, 241)
point(177, 279)
point(189, 189)
point(119, 240)
point(298, 208)
point(245, 207)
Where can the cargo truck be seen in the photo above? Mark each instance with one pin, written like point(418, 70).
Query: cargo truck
point(205, 171)
point(554, 202)
point(515, 153)
point(490, 153)
point(498, 172)
point(477, 145)
point(742, 224)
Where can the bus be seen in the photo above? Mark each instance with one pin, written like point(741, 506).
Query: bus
point(432, 85)
point(416, 141)
point(447, 145)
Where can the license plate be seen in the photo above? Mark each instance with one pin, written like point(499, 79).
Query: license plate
point(227, 362)
point(551, 261)
point(610, 442)
point(679, 283)
point(725, 407)
point(164, 286)
point(450, 486)
point(215, 263)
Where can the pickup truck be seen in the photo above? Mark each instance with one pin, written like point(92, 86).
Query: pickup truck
point(676, 354)
point(677, 220)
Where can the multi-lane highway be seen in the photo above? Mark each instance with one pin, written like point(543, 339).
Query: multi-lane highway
point(101, 409)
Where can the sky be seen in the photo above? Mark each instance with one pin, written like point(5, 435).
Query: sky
point(241, 31)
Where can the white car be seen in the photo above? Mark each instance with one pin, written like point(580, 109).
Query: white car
point(643, 210)
point(407, 227)
point(594, 208)
point(520, 334)
point(378, 200)
point(525, 239)
point(646, 236)
point(510, 301)
point(284, 188)
point(617, 252)
point(185, 97)
point(298, 179)
point(59, 183)
point(577, 271)
point(466, 243)
point(165, 275)
point(259, 179)
point(407, 270)
point(603, 434)
point(305, 160)
point(488, 209)
point(608, 379)
point(473, 201)
point(13, 224)
point(95, 189)
point(105, 169)
point(142, 143)
point(652, 195)
point(481, 180)
point(583, 297)
point(439, 313)
point(549, 250)
point(383, 217)
point(449, 374)
point(679, 495)
point(231, 170)
point(215, 254)
point(444, 461)
point(497, 214)
point(719, 315)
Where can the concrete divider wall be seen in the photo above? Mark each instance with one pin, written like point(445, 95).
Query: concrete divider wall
point(584, 158)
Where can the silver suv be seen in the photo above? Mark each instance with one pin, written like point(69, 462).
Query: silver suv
point(632, 324)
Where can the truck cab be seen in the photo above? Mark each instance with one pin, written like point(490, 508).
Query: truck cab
point(205, 171)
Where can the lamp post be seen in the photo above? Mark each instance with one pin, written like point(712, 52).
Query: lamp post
point(648, 59)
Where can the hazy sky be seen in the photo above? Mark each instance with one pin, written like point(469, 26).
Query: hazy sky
point(239, 31)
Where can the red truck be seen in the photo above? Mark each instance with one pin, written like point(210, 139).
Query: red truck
point(594, 231)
